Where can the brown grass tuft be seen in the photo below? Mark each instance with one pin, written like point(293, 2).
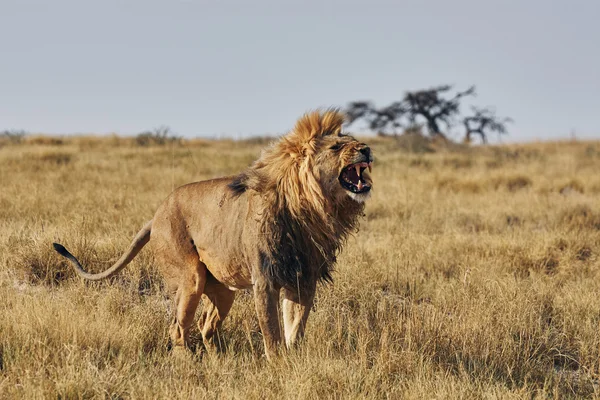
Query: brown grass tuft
point(512, 183)
point(36, 262)
point(579, 217)
point(44, 140)
point(460, 185)
point(55, 158)
point(572, 186)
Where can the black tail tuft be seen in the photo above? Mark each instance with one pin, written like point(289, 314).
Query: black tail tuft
point(61, 250)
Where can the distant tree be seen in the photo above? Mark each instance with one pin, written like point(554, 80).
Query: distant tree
point(389, 118)
point(359, 110)
point(383, 120)
point(482, 122)
point(431, 105)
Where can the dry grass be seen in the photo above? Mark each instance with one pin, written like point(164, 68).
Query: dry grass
point(475, 274)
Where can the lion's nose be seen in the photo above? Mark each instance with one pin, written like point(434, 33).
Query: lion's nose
point(366, 151)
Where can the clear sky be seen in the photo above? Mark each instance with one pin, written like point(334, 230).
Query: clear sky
point(224, 68)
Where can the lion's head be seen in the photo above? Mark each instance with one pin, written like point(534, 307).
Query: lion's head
point(313, 168)
point(344, 167)
point(339, 162)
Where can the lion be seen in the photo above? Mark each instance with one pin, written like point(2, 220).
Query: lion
point(277, 226)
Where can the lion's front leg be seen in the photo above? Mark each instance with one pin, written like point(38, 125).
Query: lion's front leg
point(266, 299)
point(296, 307)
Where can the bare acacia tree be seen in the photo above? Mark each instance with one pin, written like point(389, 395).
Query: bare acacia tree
point(431, 105)
point(381, 120)
point(359, 110)
point(482, 121)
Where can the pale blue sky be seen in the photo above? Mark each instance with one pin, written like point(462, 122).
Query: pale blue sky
point(209, 68)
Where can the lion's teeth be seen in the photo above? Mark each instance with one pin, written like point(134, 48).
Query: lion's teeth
point(360, 185)
point(357, 167)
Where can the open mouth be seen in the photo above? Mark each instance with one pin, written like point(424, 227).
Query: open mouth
point(352, 178)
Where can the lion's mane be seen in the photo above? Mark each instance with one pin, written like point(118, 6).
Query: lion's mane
point(302, 227)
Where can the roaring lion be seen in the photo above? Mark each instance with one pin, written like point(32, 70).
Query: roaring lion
point(276, 226)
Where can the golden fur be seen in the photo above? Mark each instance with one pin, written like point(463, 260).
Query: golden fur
point(277, 226)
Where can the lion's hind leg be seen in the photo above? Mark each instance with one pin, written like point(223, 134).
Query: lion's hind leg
point(219, 300)
point(188, 292)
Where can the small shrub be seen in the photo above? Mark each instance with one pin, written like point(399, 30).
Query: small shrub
point(512, 183)
point(524, 264)
point(420, 163)
point(513, 220)
point(584, 253)
point(45, 141)
point(573, 186)
point(459, 186)
point(458, 163)
point(494, 164)
point(13, 136)
point(58, 158)
point(158, 136)
point(517, 182)
point(35, 261)
point(579, 217)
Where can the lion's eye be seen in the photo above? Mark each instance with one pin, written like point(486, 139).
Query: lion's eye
point(336, 147)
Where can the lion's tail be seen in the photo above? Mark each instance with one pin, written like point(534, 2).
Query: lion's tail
point(139, 241)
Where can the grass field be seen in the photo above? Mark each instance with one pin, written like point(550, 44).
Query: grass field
point(475, 274)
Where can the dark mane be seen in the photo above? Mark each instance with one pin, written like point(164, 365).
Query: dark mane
point(295, 254)
point(238, 185)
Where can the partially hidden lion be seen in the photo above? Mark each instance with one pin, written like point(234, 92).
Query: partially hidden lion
point(277, 226)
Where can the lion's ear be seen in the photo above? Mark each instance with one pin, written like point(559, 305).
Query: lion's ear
point(318, 124)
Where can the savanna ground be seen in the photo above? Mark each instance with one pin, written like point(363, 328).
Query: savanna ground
point(475, 274)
